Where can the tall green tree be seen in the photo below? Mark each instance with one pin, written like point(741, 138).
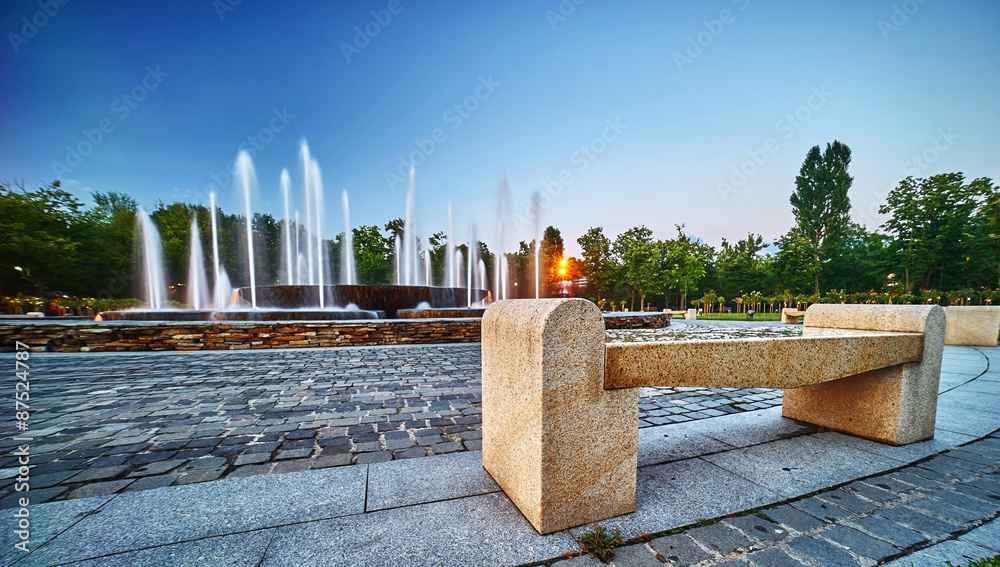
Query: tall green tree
point(820, 203)
point(599, 265)
point(932, 220)
point(741, 267)
point(683, 262)
point(373, 255)
point(639, 259)
point(40, 234)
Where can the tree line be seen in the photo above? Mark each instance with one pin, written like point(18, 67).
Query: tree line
point(942, 235)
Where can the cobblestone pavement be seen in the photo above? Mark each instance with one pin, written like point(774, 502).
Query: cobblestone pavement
point(114, 422)
point(941, 508)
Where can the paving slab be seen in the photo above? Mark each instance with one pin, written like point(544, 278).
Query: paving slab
point(986, 536)
point(792, 467)
point(479, 530)
point(137, 520)
point(943, 439)
point(957, 551)
point(416, 481)
point(46, 522)
point(237, 550)
point(679, 550)
point(675, 442)
point(679, 493)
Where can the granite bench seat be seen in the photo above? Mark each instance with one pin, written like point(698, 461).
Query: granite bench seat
point(560, 406)
point(791, 315)
point(972, 325)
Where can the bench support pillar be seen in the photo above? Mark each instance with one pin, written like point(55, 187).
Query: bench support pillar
point(561, 446)
point(895, 405)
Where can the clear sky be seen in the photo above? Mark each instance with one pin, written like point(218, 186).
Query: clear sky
point(627, 112)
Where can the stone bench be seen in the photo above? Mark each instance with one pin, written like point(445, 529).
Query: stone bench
point(791, 315)
point(561, 406)
point(690, 314)
point(972, 325)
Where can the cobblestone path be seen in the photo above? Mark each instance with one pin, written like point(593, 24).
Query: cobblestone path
point(133, 421)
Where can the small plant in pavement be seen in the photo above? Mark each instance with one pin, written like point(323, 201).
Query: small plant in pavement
point(599, 542)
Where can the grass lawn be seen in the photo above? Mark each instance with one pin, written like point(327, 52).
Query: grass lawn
point(740, 317)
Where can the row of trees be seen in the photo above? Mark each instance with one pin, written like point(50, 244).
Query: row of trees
point(942, 232)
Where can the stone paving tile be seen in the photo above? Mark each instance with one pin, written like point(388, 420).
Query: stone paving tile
point(679, 550)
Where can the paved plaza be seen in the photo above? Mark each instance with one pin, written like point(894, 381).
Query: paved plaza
point(370, 456)
point(119, 422)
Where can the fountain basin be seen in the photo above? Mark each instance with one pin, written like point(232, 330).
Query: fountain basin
point(387, 298)
point(444, 313)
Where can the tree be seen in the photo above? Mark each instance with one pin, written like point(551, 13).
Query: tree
point(551, 255)
point(683, 264)
point(598, 263)
point(932, 219)
point(39, 236)
point(639, 260)
point(373, 256)
point(820, 203)
point(741, 268)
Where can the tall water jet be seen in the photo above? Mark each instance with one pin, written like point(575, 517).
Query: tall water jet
point(247, 177)
point(219, 299)
point(499, 273)
point(197, 286)
point(536, 201)
point(317, 187)
point(457, 262)
point(450, 277)
point(348, 273)
point(397, 253)
point(410, 248)
point(307, 188)
point(154, 281)
point(286, 189)
point(473, 269)
point(299, 260)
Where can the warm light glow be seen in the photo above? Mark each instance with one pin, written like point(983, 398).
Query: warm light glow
point(19, 268)
point(562, 271)
point(562, 262)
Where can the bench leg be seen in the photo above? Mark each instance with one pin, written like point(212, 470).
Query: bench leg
point(560, 446)
point(895, 405)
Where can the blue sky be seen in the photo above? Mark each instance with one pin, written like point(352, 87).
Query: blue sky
point(646, 111)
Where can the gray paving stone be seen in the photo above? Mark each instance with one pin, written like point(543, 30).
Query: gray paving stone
point(48, 521)
point(793, 518)
point(99, 488)
point(150, 482)
point(337, 460)
point(890, 531)
point(942, 509)
point(199, 475)
point(719, 538)
point(375, 457)
point(773, 557)
point(792, 467)
point(679, 550)
point(957, 551)
point(635, 556)
point(848, 501)
point(861, 544)
point(583, 561)
point(489, 517)
point(758, 528)
point(238, 549)
point(100, 473)
point(163, 516)
point(821, 509)
point(986, 536)
point(822, 552)
point(415, 481)
point(871, 492)
point(933, 527)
